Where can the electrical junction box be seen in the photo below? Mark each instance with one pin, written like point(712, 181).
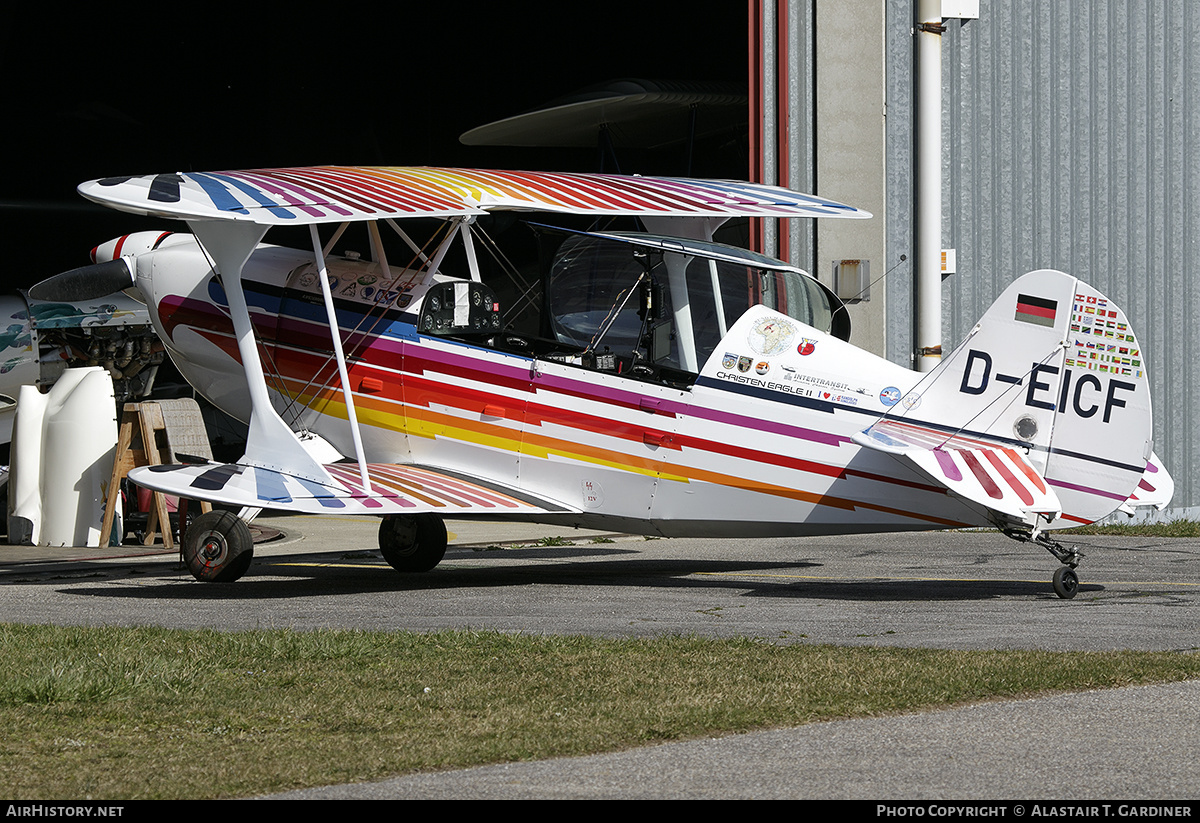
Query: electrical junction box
point(960, 9)
point(852, 280)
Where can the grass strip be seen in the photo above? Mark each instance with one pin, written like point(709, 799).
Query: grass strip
point(1174, 528)
point(129, 713)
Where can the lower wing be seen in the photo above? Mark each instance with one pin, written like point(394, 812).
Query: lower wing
point(394, 489)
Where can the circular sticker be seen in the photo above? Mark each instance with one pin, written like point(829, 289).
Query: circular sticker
point(771, 335)
point(889, 396)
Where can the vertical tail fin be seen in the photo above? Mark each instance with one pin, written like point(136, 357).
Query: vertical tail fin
point(1052, 373)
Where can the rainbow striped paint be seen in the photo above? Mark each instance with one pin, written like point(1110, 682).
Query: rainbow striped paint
point(772, 450)
point(1040, 419)
point(583, 447)
point(341, 193)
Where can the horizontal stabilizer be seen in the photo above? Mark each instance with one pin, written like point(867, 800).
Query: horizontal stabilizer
point(997, 477)
point(394, 489)
point(1155, 489)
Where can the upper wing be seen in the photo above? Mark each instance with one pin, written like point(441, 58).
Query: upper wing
point(323, 194)
point(395, 489)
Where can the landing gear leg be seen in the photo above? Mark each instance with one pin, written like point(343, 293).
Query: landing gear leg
point(412, 542)
point(1065, 581)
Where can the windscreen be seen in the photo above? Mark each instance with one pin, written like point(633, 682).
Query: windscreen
point(597, 285)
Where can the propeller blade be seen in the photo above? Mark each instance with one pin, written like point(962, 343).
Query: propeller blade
point(85, 283)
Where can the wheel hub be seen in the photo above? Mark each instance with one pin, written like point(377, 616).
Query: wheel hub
point(213, 548)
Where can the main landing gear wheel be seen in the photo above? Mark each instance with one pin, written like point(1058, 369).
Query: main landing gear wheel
point(218, 547)
point(412, 542)
point(1066, 582)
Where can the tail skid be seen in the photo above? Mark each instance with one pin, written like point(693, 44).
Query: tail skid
point(1041, 416)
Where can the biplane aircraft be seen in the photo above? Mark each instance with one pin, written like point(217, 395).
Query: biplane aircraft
point(650, 381)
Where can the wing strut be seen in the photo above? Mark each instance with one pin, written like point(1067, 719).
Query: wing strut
point(270, 443)
point(464, 228)
point(440, 253)
point(336, 335)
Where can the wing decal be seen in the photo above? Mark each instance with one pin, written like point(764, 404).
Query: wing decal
point(165, 188)
point(394, 489)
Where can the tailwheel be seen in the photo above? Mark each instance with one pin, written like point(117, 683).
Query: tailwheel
point(217, 547)
point(412, 542)
point(1066, 582)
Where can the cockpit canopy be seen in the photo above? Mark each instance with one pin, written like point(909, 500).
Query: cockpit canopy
point(672, 300)
point(649, 306)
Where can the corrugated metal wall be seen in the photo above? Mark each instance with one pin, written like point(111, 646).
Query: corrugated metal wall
point(1072, 141)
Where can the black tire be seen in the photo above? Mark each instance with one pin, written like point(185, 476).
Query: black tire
point(412, 542)
point(218, 547)
point(1066, 582)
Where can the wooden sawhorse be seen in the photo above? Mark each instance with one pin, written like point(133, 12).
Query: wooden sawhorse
point(147, 423)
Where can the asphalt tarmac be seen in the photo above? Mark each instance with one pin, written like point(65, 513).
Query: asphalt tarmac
point(972, 590)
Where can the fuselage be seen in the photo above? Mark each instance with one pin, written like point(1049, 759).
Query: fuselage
point(756, 443)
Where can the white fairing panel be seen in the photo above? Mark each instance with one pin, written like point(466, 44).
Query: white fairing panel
point(63, 457)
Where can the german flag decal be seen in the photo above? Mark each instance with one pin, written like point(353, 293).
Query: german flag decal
point(1037, 310)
